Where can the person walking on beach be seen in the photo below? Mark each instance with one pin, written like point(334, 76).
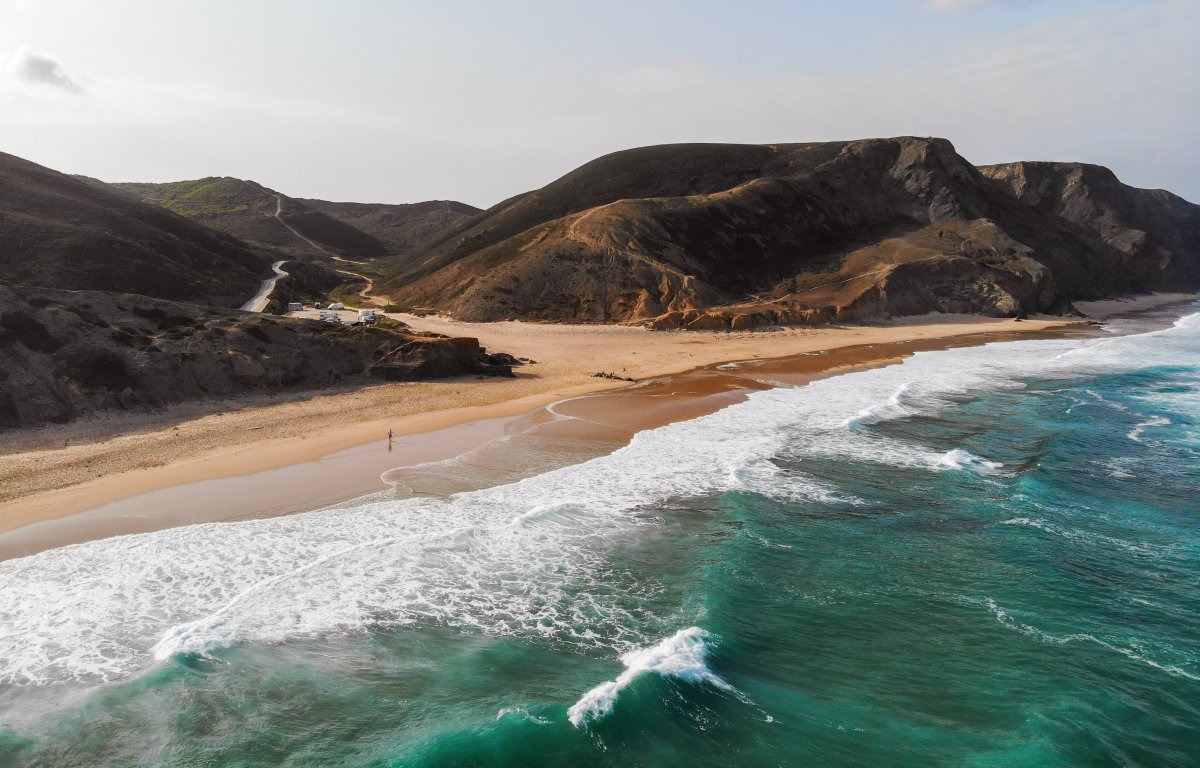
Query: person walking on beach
point(389, 435)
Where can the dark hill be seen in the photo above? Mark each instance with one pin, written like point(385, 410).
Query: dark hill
point(62, 232)
point(252, 212)
point(662, 171)
point(731, 235)
point(399, 227)
point(1149, 238)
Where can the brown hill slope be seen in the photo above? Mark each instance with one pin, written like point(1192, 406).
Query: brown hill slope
point(58, 231)
point(730, 235)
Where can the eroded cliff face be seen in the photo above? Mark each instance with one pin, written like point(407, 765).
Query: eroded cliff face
point(806, 233)
point(71, 353)
point(1135, 239)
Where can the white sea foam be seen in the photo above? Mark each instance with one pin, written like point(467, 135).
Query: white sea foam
point(523, 714)
point(1089, 538)
point(1129, 651)
point(766, 478)
point(1030, 522)
point(1121, 467)
point(682, 656)
point(1099, 398)
point(960, 459)
point(1136, 433)
point(528, 557)
point(892, 408)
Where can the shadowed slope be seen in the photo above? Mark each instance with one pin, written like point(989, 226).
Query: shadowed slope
point(399, 227)
point(62, 232)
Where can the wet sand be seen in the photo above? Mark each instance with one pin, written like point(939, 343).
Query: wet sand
point(474, 454)
point(146, 472)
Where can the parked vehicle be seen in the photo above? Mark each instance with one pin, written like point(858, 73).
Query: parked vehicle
point(318, 305)
point(330, 317)
point(295, 306)
point(337, 305)
point(368, 316)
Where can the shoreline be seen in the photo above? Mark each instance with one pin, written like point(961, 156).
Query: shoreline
point(246, 457)
point(575, 428)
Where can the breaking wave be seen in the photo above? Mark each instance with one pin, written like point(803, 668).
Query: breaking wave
point(682, 656)
point(892, 408)
point(527, 558)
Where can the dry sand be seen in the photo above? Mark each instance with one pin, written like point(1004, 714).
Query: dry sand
point(66, 470)
point(474, 454)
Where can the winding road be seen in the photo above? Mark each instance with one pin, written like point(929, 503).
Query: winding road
point(263, 297)
point(364, 294)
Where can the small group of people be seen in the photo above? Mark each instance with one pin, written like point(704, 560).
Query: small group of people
point(610, 375)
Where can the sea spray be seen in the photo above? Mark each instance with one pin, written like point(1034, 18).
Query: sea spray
point(682, 656)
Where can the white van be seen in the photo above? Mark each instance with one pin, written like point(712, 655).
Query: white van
point(295, 306)
point(367, 316)
point(337, 305)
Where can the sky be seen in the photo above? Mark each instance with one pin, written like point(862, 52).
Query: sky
point(398, 102)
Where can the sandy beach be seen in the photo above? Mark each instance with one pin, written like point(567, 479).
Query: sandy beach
point(63, 471)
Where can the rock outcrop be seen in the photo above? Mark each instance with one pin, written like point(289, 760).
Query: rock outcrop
point(71, 353)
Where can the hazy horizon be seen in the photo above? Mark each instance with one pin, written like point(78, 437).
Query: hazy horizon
point(401, 103)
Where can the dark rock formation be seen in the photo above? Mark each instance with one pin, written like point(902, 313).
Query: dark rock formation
point(71, 353)
point(422, 358)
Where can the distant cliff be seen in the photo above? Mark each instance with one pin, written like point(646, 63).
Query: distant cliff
point(719, 236)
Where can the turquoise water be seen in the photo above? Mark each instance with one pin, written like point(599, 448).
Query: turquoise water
point(982, 556)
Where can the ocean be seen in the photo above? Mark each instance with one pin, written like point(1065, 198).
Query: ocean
point(979, 556)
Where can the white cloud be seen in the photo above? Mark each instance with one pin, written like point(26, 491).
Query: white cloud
point(1114, 85)
point(38, 69)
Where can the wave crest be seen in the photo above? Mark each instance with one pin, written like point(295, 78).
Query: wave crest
point(682, 656)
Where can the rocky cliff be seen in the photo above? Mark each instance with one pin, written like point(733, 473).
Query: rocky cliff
point(720, 236)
